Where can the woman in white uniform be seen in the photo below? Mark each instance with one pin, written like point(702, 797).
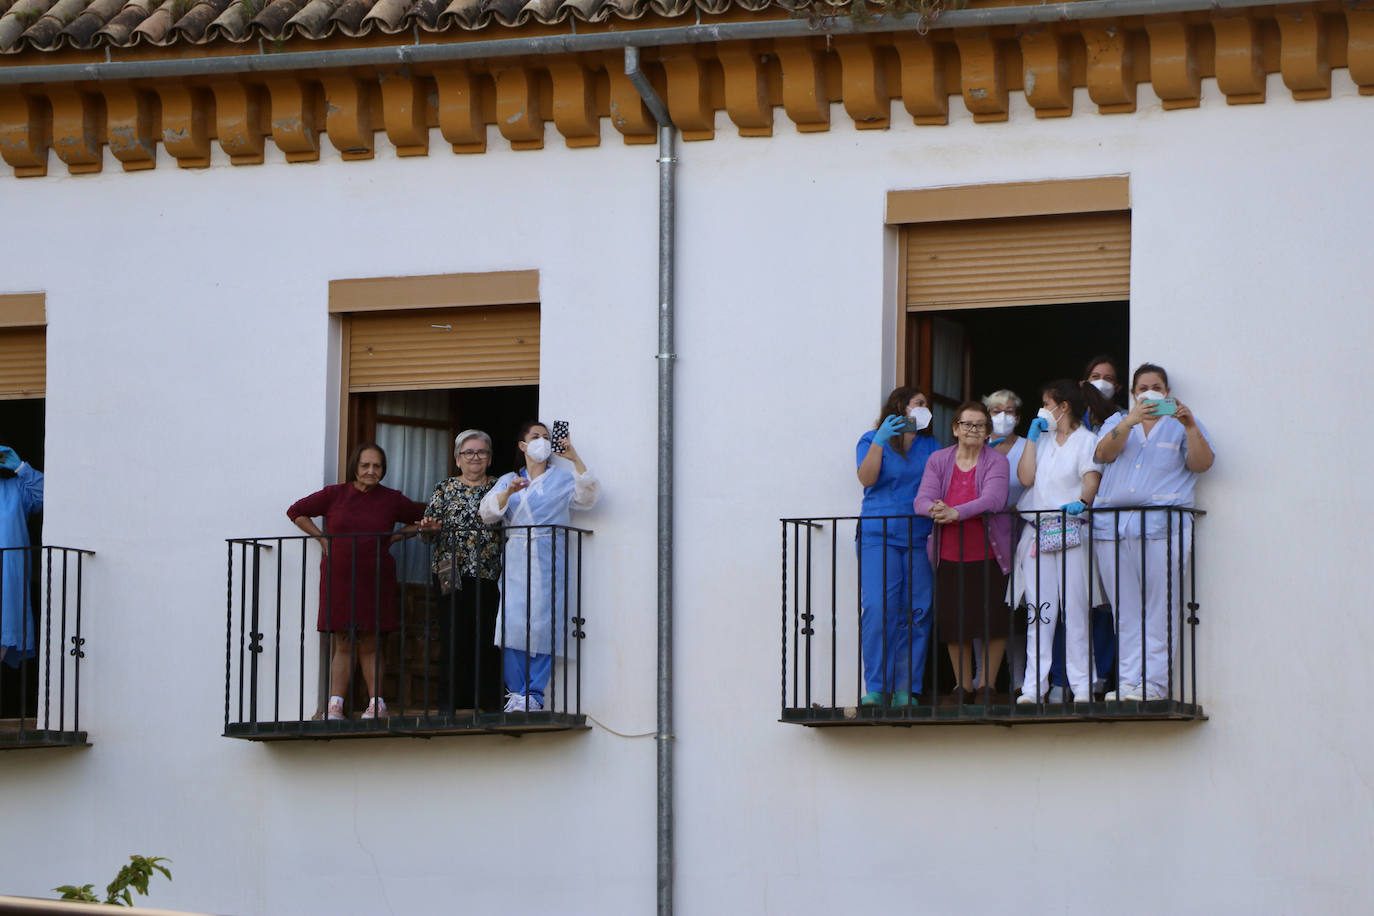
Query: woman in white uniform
point(540, 495)
point(1151, 459)
point(1059, 471)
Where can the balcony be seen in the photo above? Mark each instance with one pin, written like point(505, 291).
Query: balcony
point(438, 672)
point(823, 676)
point(40, 680)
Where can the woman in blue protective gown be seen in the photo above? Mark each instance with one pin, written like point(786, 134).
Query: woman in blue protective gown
point(540, 495)
point(894, 572)
point(21, 495)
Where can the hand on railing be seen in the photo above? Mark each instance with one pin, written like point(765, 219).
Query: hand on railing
point(943, 514)
point(324, 545)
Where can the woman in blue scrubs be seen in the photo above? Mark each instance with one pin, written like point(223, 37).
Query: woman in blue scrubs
point(21, 495)
point(894, 572)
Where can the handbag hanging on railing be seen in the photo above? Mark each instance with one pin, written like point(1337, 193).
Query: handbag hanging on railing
point(1054, 533)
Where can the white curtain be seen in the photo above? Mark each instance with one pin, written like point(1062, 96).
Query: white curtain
point(417, 458)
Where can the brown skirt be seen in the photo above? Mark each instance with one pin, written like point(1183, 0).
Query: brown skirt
point(948, 601)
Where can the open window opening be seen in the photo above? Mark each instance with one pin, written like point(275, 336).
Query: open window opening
point(416, 428)
point(22, 429)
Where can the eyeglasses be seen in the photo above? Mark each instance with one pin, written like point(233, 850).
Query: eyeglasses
point(971, 427)
point(474, 453)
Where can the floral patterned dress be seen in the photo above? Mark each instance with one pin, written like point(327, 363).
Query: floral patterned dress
point(465, 545)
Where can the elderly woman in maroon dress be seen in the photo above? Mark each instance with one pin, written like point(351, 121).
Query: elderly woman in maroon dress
point(355, 572)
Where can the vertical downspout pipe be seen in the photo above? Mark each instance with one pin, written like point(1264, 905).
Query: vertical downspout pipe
point(667, 194)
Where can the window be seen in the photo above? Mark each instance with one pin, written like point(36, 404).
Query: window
point(40, 625)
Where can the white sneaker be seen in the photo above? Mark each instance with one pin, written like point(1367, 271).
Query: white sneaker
point(515, 702)
point(376, 709)
point(336, 708)
point(1129, 692)
point(1056, 695)
point(1026, 699)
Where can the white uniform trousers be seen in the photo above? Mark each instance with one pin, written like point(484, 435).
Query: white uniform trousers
point(1062, 587)
point(1161, 573)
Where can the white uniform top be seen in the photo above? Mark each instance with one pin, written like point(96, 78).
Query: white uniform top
point(538, 556)
point(1014, 488)
point(1059, 470)
point(1150, 471)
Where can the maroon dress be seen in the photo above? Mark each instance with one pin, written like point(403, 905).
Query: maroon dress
point(349, 575)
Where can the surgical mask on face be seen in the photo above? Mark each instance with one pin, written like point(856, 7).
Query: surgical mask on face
point(921, 415)
point(1003, 423)
point(1149, 396)
point(1104, 386)
point(539, 450)
point(1047, 415)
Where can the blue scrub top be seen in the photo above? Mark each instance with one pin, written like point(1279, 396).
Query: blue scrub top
point(20, 497)
point(894, 492)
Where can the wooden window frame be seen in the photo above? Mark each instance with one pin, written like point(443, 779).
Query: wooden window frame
point(431, 291)
point(985, 201)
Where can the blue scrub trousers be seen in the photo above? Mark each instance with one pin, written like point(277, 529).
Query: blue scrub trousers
point(1103, 635)
point(526, 674)
point(894, 645)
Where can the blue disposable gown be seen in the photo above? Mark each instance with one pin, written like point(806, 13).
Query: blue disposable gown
point(20, 497)
point(536, 558)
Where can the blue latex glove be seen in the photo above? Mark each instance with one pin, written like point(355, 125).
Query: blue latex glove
point(1074, 508)
point(890, 428)
point(8, 459)
point(1038, 426)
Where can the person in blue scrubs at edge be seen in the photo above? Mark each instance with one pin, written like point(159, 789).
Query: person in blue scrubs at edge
point(894, 572)
point(21, 495)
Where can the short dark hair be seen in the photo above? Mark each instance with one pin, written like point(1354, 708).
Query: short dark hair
point(978, 406)
point(358, 454)
point(1149, 367)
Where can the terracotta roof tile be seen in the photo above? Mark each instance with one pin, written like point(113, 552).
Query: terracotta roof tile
point(44, 25)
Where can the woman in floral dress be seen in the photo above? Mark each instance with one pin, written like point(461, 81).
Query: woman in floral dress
point(467, 564)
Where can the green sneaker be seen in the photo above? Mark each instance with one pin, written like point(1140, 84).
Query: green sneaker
point(872, 698)
point(901, 698)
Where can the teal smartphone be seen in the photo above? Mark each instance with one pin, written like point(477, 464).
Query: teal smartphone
point(909, 425)
point(1166, 407)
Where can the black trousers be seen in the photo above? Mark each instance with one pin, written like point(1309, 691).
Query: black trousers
point(469, 663)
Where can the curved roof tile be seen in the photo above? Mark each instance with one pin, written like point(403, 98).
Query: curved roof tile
point(45, 25)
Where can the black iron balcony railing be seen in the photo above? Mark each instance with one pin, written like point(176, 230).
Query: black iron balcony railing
point(1111, 579)
point(438, 664)
point(40, 677)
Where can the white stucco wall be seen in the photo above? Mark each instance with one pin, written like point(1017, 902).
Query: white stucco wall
point(189, 400)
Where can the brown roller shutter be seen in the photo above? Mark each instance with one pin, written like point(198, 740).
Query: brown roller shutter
point(1031, 260)
point(23, 363)
point(443, 348)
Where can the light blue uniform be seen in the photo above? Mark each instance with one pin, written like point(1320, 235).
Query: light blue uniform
point(536, 566)
point(1145, 575)
point(894, 570)
point(20, 497)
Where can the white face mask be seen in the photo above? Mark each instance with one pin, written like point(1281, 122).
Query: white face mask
point(1003, 423)
point(1104, 386)
point(1047, 415)
point(539, 450)
point(921, 415)
point(1149, 396)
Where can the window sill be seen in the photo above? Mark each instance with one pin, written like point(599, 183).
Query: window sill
point(513, 724)
point(1004, 714)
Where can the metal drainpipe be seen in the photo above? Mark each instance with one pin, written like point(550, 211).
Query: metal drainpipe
point(667, 194)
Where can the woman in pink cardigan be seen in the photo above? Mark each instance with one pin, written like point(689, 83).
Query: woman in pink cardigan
point(960, 484)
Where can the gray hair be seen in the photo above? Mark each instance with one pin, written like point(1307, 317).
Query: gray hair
point(467, 434)
point(1001, 398)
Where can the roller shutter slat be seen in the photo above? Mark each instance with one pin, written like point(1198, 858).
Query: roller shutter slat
point(23, 363)
point(487, 346)
point(1080, 257)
